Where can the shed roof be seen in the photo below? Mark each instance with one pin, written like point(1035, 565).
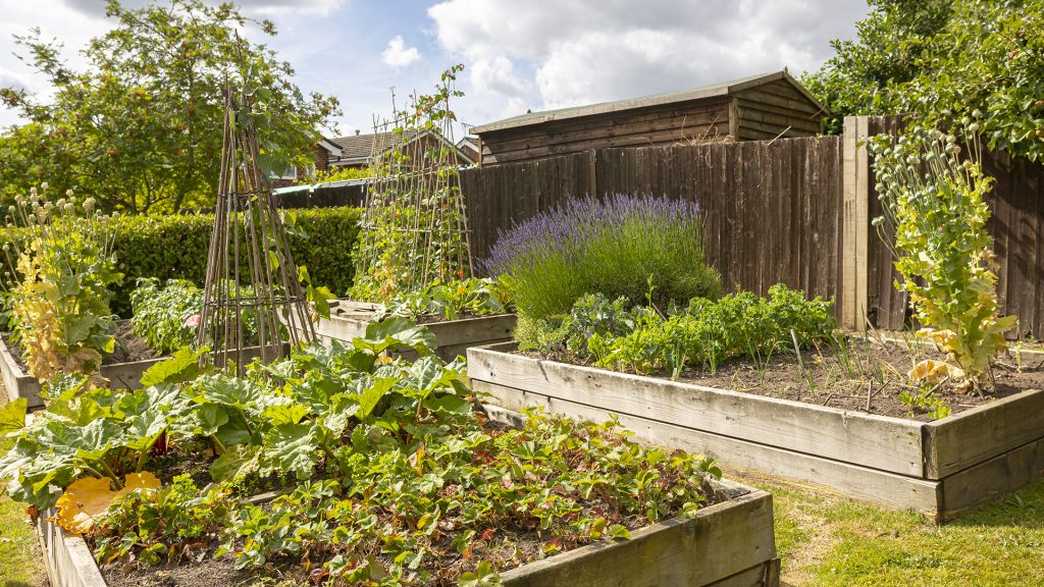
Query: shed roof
point(717, 90)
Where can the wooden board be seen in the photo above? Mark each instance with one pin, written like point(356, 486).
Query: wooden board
point(991, 479)
point(69, 562)
point(962, 440)
point(880, 442)
point(719, 541)
point(888, 489)
point(17, 382)
point(453, 337)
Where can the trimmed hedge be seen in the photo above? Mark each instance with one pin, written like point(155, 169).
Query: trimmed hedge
point(175, 246)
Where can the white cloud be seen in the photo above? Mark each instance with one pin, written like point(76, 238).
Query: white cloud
point(397, 54)
point(554, 53)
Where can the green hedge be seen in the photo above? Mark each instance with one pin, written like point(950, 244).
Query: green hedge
point(175, 246)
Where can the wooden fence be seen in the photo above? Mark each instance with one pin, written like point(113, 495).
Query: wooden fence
point(796, 211)
point(1017, 227)
point(772, 208)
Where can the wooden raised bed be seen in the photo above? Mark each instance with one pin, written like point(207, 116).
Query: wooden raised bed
point(728, 544)
point(349, 319)
point(940, 468)
point(20, 384)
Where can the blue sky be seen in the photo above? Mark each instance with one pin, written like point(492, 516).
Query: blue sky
point(518, 55)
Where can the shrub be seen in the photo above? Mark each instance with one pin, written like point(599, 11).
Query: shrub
point(175, 247)
point(936, 203)
point(162, 315)
point(620, 246)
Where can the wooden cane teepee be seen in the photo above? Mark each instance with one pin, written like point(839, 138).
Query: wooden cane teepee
point(251, 273)
point(414, 230)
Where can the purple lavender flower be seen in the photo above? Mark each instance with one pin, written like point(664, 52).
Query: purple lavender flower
point(613, 245)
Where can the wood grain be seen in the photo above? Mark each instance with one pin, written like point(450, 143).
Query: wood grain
point(889, 444)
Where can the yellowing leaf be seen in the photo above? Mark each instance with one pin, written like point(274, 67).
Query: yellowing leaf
point(87, 499)
point(931, 372)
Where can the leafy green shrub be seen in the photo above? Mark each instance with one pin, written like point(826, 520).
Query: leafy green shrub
point(65, 267)
point(166, 317)
point(163, 315)
point(620, 246)
point(706, 335)
point(175, 247)
point(937, 205)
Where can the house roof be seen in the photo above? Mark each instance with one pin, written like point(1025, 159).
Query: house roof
point(359, 148)
point(716, 90)
point(330, 146)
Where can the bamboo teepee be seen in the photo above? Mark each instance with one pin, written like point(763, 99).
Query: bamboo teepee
point(251, 273)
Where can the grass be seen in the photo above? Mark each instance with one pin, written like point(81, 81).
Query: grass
point(20, 563)
point(827, 540)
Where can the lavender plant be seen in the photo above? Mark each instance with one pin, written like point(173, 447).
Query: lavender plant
point(622, 245)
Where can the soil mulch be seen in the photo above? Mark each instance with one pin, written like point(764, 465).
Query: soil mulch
point(869, 376)
point(129, 347)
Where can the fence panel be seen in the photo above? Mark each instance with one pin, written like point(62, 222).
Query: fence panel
point(772, 208)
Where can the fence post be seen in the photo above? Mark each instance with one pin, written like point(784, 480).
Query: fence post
point(856, 223)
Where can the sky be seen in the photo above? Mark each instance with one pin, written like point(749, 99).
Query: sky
point(518, 55)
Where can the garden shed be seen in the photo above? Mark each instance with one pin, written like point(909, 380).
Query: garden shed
point(754, 108)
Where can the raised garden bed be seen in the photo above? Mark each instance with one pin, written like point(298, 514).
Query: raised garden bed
point(940, 467)
point(348, 320)
point(728, 543)
point(124, 368)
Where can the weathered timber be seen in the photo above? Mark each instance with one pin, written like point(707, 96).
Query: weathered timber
point(127, 374)
point(68, 560)
point(880, 442)
point(959, 441)
point(889, 489)
point(720, 540)
point(991, 479)
point(940, 468)
point(349, 319)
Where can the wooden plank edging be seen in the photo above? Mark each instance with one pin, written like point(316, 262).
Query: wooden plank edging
point(880, 442)
point(889, 489)
point(979, 434)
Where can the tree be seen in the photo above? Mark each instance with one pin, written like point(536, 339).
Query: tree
point(945, 62)
point(140, 127)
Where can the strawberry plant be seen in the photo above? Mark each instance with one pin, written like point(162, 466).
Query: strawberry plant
point(387, 472)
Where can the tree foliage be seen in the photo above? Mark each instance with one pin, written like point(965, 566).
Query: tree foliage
point(139, 127)
point(941, 60)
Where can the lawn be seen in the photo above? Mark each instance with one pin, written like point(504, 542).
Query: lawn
point(20, 563)
point(826, 540)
